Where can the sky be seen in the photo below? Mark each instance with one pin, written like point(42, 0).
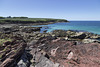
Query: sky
point(61, 9)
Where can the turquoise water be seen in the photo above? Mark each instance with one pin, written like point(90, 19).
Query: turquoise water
point(90, 26)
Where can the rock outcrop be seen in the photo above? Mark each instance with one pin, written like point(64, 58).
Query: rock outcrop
point(30, 48)
point(11, 52)
point(69, 54)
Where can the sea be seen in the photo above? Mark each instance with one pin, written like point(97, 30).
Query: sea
point(85, 26)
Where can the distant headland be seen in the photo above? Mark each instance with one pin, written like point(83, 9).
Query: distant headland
point(27, 20)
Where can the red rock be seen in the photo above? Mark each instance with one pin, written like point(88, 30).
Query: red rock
point(56, 40)
point(7, 63)
point(53, 51)
point(70, 54)
point(11, 57)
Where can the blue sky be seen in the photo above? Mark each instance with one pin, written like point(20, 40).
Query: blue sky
point(63, 9)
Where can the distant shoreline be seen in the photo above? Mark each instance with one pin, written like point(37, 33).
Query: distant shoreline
point(26, 20)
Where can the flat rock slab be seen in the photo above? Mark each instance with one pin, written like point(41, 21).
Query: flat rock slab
point(70, 54)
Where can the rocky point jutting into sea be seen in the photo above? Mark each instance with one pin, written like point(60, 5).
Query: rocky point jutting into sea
point(25, 46)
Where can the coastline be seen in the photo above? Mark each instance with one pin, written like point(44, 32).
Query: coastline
point(27, 43)
point(87, 26)
point(26, 24)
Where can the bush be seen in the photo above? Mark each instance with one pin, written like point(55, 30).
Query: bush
point(1, 17)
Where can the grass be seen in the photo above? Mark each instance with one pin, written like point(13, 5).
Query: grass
point(30, 20)
point(4, 40)
point(1, 56)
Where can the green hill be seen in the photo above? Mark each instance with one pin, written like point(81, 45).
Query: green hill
point(24, 20)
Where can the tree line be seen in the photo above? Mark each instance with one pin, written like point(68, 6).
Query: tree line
point(13, 17)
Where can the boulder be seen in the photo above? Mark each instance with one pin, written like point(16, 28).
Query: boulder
point(6, 29)
point(24, 61)
point(59, 33)
point(90, 41)
point(78, 35)
point(41, 59)
point(95, 37)
point(44, 62)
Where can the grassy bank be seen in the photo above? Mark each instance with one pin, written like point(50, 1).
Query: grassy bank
point(24, 20)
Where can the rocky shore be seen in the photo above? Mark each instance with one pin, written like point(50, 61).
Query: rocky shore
point(25, 46)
